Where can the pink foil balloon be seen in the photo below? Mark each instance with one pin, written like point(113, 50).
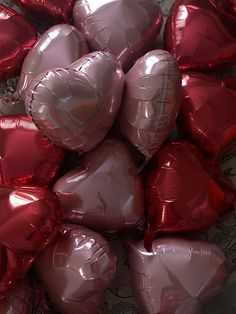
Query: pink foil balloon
point(125, 28)
point(77, 269)
point(105, 193)
point(75, 107)
point(151, 101)
point(60, 46)
point(19, 300)
point(178, 276)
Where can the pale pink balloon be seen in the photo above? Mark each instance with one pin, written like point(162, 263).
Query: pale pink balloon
point(125, 28)
point(178, 276)
point(58, 47)
point(76, 106)
point(77, 269)
point(105, 192)
point(151, 101)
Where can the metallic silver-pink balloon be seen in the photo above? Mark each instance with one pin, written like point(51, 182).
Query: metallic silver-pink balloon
point(77, 269)
point(151, 101)
point(19, 300)
point(178, 276)
point(125, 28)
point(58, 47)
point(105, 193)
point(75, 107)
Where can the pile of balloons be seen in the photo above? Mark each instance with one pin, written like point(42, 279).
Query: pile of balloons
point(97, 86)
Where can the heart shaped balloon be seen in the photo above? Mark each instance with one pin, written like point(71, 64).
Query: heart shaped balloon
point(208, 113)
point(151, 101)
point(184, 194)
point(177, 276)
point(127, 29)
point(200, 34)
point(76, 107)
point(76, 270)
point(18, 300)
point(105, 193)
point(44, 55)
point(26, 156)
point(52, 11)
point(29, 218)
point(17, 36)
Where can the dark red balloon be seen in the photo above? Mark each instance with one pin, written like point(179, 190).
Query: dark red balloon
point(17, 36)
point(208, 113)
point(52, 11)
point(29, 218)
point(13, 268)
point(184, 194)
point(200, 34)
point(230, 6)
point(26, 156)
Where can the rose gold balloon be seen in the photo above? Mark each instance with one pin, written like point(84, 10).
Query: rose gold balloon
point(60, 46)
point(151, 101)
point(77, 269)
point(19, 300)
point(125, 28)
point(75, 107)
point(178, 276)
point(105, 193)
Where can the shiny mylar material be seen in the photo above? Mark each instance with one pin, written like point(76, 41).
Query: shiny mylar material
point(29, 218)
point(184, 194)
point(127, 29)
point(45, 55)
point(208, 113)
point(105, 192)
point(75, 107)
point(19, 300)
point(26, 156)
point(200, 34)
point(76, 270)
point(17, 36)
point(177, 277)
point(13, 268)
point(51, 11)
point(151, 101)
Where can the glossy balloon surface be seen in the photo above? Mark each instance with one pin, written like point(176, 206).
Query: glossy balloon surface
point(75, 107)
point(105, 192)
point(125, 28)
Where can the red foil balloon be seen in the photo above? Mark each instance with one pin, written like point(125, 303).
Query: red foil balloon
point(208, 113)
point(177, 276)
point(76, 106)
point(29, 218)
point(184, 194)
point(126, 29)
point(19, 300)
point(151, 101)
point(105, 193)
point(76, 270)
point(200, 34)
point(13, 268)
point(26, 156)
point(17, 36)
point(52, 11)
